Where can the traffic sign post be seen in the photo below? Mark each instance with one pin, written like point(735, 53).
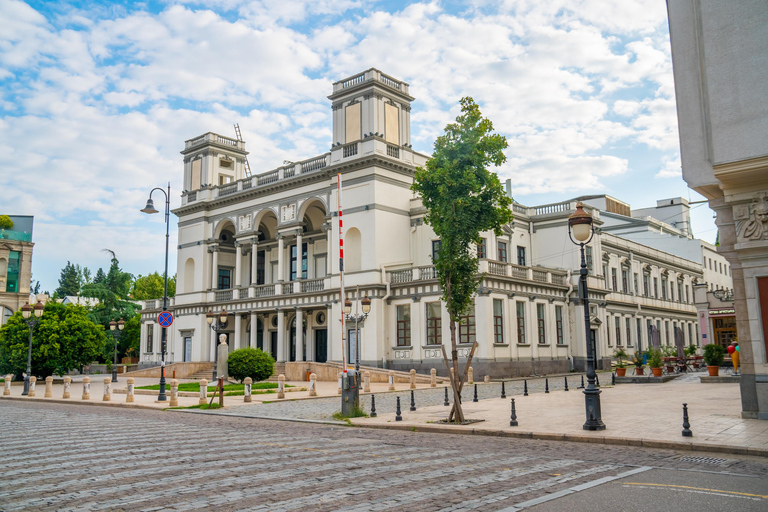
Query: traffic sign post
point(165, 319)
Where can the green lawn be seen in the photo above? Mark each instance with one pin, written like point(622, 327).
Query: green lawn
point(192, 386)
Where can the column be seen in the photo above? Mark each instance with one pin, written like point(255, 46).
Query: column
point(299, 255)
point(280, 258)
point(310, 341)
point(238, 331)
point(300, 354)
point(254, 260)
point(254, 326)
point(212, 344)
point(282, 350)
point(214, 267)
point(328, 226)
point(238, 265)
point(265, 339)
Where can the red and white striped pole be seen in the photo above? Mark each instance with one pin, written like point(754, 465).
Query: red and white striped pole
point(341, 277)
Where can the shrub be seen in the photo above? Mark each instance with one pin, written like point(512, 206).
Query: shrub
point(250, 362)
point(5, 222)
point(714, 354)
point(691, 350)
point(621, 355)
point(654, 357)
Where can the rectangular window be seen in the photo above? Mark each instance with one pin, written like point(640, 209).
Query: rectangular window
point(540, 320)
point(629, 334)
point(663, 288)
point(625, 281)
point(559, 325)
point(645, 285)
point(520, 310)
point(481, 251)
point(294, 262)
point(656, 287)
point(404, 325)
point(224, 278)
point(618, 330)
point(615, 286)
point(435, 249)
point(521, 256)
point(498, 321)
point(588, 256)
point(680, 292)
point(434, 324)
point(260, 259)
point(690, 335)
point(12, 272)
point(687, 295)
point(666, 332)
point(608, 330)
point(150, 336)
point(502, 251)
point(467, 328)
point(639, 332)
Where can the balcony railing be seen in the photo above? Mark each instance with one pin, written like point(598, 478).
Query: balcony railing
point(264, 290)
point(226, 190)
point(9, 234)
point(518, 271)
point(393, 151)
point(539, 276)
point(427, 273)
point(223, 295)
point(401, 276)
point(350, 150)
point(497, 269)
point(314, 285)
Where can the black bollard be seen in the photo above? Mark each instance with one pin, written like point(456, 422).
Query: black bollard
point(582, 383)
point(546, 385)
point(503, 391)
point(525, 387)
point(373, 406)
point(566, 382)
point(413, 402)
point(475, 399)
point(613, 378)
point(686, 424)
point(445, 403)
point(513, 416)
point(397, 413)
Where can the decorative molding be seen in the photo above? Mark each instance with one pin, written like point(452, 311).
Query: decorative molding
point(752, 219)
point(287, 213)
point(244, 223)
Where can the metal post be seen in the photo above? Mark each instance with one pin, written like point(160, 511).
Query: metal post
point(525, 387)
point(398, 417)
point(686, 424)
point(357, 348)
point(566, 382)
point(445, 402)
point(475, 399)
point(31, 325)
point(513, 415)
point(115, 334)
point(503, 391)
point(546, 385)
point(373, 406)
point(591, 393)
point(413, 402)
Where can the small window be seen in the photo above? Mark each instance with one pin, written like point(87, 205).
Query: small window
point(150, 336)
point(498, 321)
point(613, 280)
point(636, 283)
point(520, 310)
point(502, 251)
point(481, 249)
point(663, 288)
point(467, 328)
point(434, 324)
point(656, 287)
point(618, 330)
point(646, 291)
point(224, 279)
point(588, 251)
point(541, 324)
point(224, 162)
point(404, 325)
point(629, 333)
point(521, 256)
point(559, 324)
point(625, 281)
point(639, 331)
point(435, 249)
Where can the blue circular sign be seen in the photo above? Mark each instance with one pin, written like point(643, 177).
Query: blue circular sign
point(165, 319)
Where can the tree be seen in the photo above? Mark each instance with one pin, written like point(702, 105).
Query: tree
point(462, 199)
point(100, 276)
point(151, 287)
point(69, 281)
point(6, 222)
point(112, 290)
point(64, 339)
point(250, 362)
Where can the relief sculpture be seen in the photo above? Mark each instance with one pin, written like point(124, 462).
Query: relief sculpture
point(752, 219)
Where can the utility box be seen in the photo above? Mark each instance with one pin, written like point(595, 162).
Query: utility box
point(350, 393)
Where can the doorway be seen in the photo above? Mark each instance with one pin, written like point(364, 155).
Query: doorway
point(273, 344)
point(321, 345)
point(187, 349)
point(725, 330)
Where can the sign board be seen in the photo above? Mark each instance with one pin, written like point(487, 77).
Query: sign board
point(165, 319)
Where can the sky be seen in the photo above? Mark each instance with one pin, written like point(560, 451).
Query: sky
point(97, 99)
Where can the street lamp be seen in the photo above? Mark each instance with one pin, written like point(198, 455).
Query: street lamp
point(116, 334)
point(211, 318)
point(357, 318)
point(27, 311)
point(150, 208)
point(580, 231)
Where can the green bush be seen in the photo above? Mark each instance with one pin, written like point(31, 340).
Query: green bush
point(250, 362)
point(654, 357)
point(714, 354)
point(5, 222)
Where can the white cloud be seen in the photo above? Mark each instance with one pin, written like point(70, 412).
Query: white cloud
point(672, 168)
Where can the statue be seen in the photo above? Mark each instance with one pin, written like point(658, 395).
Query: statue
point(223, 353)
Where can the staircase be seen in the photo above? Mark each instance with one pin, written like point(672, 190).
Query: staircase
point(279, 369)
point(204, 373)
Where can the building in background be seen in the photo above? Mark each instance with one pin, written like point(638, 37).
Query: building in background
point(265, 249)
point(720, 63)
point(15, 265)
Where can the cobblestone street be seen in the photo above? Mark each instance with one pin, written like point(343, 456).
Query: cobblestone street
point(74, 457)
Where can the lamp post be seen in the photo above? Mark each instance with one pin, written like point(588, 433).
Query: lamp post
point(150, 208)
point(116, 334)
point(211, 318)
point(580, 231)
point(357, 318)
point(27, 311)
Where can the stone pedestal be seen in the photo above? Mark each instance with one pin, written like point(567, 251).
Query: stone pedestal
point(174, 393)
point(339, 377)
point(129, 395)
point(281, 386)
point(247, 383)
point(7, 388)
point(391, 379)
point(470, 375)
point(32, 382)
point(222, 369)
point(86, 388)
point(203, 392)
point(366, 382)
point(67, 387)
point(107, 390)
point(432, 378)
point(487, 379)
point(413, 378)
point(48, 387)
point(312, 384)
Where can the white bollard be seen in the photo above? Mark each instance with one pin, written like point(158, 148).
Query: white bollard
point(203, 392)
point(413, 378)
point(247, 383)
point(48, 387)
point(174, 393)
point(366, 382)
point(391, 378)
point(32, 382)
point(312, 384)
point(67, 387)
point(107, 391)
point(487, 379)
point(86, 388)
point(7, 389)
point(339, 392)
point(432, 378)
point(281, 386)
point(470, 375)
point(129, 396)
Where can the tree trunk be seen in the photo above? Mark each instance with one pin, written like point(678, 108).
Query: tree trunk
point(459, 413)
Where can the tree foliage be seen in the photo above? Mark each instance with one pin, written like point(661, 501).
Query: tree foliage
point(64, 339)
point(6, 222)
point(151, 287)
point(70, 281)
point(250, 362)
point(463, 198)
point(113, 294)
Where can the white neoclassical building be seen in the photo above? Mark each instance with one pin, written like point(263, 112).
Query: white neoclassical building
point(264, 247)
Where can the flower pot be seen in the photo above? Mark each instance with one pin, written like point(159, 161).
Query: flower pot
point(714, 371)
point(639, 370)
point(656, 372)
point(621, 372)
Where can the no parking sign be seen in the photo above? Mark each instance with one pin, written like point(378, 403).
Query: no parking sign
point(165, 319)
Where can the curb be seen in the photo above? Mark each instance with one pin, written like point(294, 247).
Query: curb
point(574, 438)
point(213, 413)
point(77, 401)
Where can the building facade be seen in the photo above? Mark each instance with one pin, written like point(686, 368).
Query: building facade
point(265, 249)
point(720, 64)
point(15, 265)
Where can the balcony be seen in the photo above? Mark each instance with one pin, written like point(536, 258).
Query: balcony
point(494, 268)
point(314, 285)
point(9, 234)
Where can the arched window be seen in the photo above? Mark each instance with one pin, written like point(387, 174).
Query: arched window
point(352, 246)
point(189, 275)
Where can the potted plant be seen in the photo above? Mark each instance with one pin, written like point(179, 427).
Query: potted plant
point(638, 362)
point(714, 355)
point(655, 359)
point(621, 366)
point(690, 350)
point(668, 352)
